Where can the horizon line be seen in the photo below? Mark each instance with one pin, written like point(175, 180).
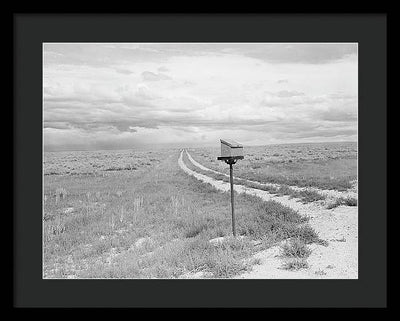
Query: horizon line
point(164, 146)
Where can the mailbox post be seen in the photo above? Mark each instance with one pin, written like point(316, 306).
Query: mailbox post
point(230, 152)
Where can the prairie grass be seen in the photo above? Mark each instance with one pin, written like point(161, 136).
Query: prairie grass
point(99, 163)
point(156, 224)
point(321, 165)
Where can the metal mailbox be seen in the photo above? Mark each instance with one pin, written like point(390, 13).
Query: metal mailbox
point(231, 151)
point(230, 148)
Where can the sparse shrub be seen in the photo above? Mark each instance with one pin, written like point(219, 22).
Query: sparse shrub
point(227, 267)
point(347, 201)
point(308, 196)
point(320, 272)
point(61, 193)
point(55, 228)
point(138, 203)
point(236, 244)
point(285, 190)
point(308, 235)
point(295, 265)
point(295, 248)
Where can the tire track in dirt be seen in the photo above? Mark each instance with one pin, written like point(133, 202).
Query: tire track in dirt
point(328, 193)
point(338, 226)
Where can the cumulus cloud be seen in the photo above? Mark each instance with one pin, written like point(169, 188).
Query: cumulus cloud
point(124, 71)
point(121, 95)
point(151, 76)
point(287, 93)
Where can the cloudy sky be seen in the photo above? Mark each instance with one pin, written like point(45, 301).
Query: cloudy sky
point(127, 95)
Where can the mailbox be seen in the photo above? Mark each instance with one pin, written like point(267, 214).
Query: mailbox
point(231, 151)
point(230, 148)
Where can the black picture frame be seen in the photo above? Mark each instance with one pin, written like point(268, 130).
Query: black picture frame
point(31, 30)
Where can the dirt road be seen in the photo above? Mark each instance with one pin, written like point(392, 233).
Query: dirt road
point(338, 226)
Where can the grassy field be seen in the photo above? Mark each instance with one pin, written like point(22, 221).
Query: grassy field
point(98, 162)
point(321, 165)
point(137, 215)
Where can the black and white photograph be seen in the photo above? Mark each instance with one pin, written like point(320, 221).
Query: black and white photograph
point(192, 160)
